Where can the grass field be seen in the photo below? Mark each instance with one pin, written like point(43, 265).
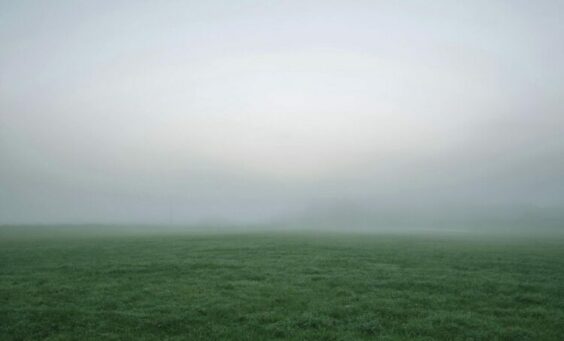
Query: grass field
point(79, 284)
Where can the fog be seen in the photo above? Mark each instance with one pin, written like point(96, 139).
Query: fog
point(338, 113)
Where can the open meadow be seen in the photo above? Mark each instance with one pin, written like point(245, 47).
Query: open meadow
point(128, 284)
point(282, 170)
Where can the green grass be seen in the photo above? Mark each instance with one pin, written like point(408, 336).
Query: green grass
point(58, 284)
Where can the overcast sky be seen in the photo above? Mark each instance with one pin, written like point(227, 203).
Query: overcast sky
point(183, 111)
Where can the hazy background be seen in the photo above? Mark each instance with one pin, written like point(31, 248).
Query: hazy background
point(337, 113)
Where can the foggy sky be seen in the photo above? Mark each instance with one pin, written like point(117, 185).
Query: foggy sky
point(246, 111)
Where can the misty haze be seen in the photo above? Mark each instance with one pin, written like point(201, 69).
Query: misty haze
point(281, 170)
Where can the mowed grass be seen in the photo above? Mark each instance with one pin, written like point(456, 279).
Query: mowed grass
point(70, 284)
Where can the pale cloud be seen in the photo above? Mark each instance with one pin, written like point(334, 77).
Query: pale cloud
point(242, 110)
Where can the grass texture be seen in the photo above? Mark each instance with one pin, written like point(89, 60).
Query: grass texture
point(58, 284)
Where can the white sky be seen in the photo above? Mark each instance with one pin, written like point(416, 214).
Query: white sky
point(296, 95)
